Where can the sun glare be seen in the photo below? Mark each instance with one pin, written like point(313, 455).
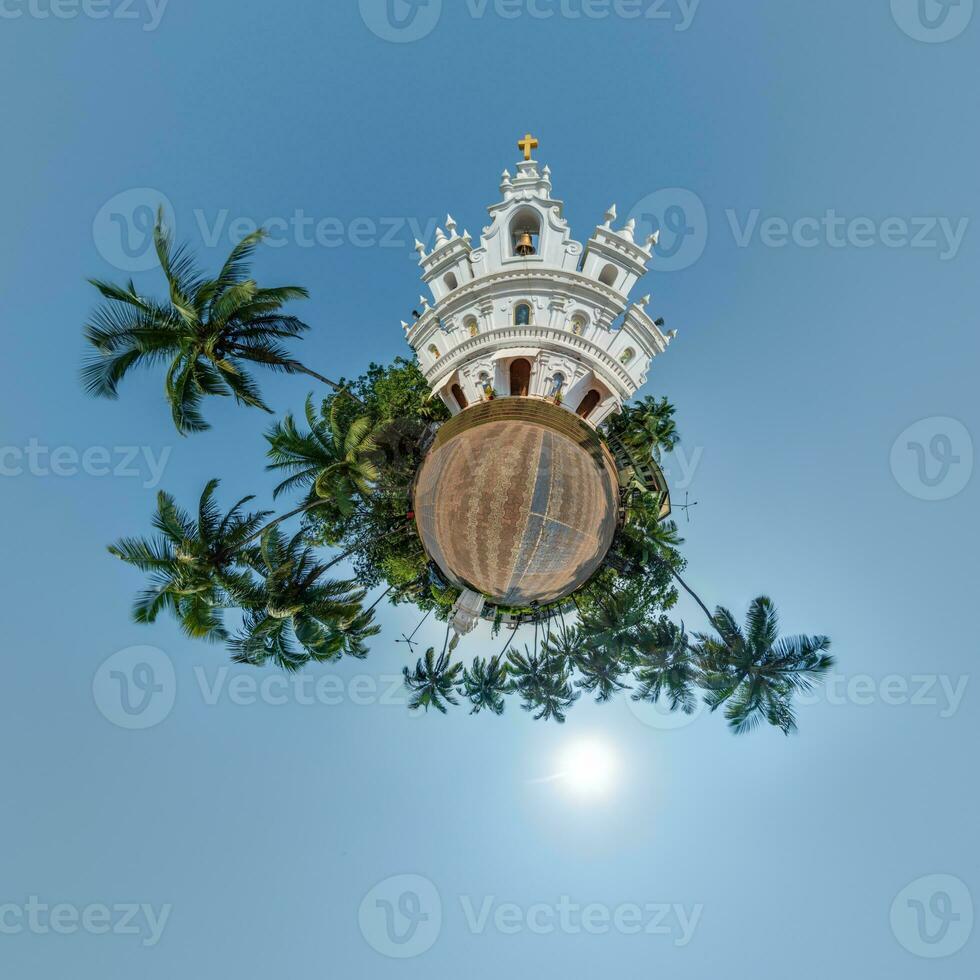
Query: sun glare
point(589, 768)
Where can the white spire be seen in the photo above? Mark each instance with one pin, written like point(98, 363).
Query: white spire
point(610, 216)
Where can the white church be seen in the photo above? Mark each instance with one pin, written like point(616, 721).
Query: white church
point(528, 311)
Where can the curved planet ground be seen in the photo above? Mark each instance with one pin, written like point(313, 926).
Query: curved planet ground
point(517, 500)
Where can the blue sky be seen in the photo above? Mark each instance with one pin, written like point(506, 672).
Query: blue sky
point(821, 160)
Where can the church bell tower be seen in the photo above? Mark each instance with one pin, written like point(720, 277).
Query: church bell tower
point(528, 311)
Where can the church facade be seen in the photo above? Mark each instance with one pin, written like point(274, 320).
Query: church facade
point(528, 311)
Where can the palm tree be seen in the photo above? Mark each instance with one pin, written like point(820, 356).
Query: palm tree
point(611, 624)
point(351, 636)
point(649, 428)
point(433, 682)
point(566, 645)
point(334, 462)
point(193, 564)
point(754, 673)
point(667, 667)
point(485, 685)
point(601, 672)
point(544, 684)
point(205, 330)
point(292, 614)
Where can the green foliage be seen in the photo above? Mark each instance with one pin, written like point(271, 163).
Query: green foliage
point(334, 461)
point(205, 331)
point(754, 673)
point(433, 682)
point(647, 427)
point(195, 566)
point(485, 684)
point(393, 392)
point(543, 683)
point(667, 667)
point(292, 614)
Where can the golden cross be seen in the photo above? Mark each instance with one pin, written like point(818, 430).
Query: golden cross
point(527, 144)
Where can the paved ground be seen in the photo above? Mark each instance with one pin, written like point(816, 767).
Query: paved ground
point(515, 509)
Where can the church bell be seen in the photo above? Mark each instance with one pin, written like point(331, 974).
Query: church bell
point(525, 244)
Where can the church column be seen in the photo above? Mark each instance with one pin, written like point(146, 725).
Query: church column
point(557, 307)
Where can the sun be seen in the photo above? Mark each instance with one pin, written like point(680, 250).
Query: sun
point(589, 768)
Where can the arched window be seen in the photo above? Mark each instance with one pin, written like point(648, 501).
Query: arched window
point(434, 351)
point(525, 233)
point(459, 396)
point(579, 323)
point(472, 327)
point(522, 314)
point(520, 376)
point(609, 275)
point(589, 403)
point(627, 356)
point(451, 281)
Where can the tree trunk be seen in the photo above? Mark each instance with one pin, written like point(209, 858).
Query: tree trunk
point(285, 517)
point(374, 605)
point(303, 369)
point(697, 599)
